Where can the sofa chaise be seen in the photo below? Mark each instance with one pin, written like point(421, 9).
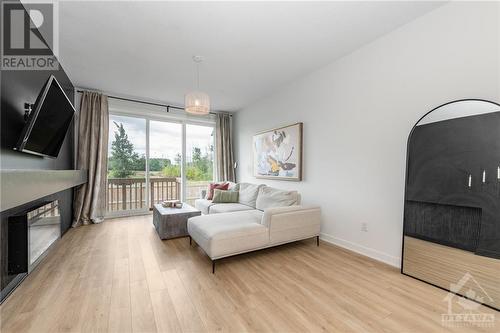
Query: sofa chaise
point(263, 217)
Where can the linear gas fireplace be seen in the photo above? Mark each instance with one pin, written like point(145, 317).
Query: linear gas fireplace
point(31, 234)
point(450, 225)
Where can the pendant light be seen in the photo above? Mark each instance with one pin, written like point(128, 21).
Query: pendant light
point(197, 102)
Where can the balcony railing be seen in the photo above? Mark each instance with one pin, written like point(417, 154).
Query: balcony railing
point(130, 193)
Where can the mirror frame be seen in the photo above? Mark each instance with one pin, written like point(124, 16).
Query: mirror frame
point(406, 185)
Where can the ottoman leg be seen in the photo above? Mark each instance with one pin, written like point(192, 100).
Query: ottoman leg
point(213, 266)
point(190, 240)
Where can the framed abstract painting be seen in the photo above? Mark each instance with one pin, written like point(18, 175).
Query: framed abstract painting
point(277, 153)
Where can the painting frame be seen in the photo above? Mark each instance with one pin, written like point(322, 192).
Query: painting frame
point(297, 151)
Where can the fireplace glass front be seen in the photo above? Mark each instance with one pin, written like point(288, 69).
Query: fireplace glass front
point(44, 228)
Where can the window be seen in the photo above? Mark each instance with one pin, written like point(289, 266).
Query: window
point(146, 164)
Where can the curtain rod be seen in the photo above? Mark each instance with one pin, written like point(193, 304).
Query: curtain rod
point(149, 103)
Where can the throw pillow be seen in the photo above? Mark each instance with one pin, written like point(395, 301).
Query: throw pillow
point(213, 186)
point(272, 197)
point(248, 193)
point(222, 196)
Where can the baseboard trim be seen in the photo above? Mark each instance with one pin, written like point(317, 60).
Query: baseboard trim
point(363, 250)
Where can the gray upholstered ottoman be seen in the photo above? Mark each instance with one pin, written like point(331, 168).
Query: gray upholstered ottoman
point(172, 222)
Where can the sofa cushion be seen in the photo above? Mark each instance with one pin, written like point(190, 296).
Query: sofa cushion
point(203, 205)
point(273, 197)
point(222, 235)
point(214, 186)
point(248, 193)
point(227, 208)
point(221, 196)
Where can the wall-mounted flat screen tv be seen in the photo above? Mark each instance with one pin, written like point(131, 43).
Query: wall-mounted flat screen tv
point(48, 121)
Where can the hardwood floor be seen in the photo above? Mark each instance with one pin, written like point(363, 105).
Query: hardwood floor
point(119, 277)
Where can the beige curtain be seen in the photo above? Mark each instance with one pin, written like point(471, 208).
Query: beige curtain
point(90, 199)
point(224, 148)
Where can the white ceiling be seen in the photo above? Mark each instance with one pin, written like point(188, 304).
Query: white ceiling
point(144, 49)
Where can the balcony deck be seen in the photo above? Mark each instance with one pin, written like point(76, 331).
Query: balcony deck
point(126, 194)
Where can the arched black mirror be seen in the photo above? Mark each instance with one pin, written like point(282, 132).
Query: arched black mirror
point(452, 199)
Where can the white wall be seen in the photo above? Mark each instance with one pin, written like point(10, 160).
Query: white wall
point(358, 112)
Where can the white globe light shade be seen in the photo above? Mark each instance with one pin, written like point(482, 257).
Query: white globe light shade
point(197, 102)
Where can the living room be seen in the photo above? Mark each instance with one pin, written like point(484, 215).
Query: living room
point(250, 166)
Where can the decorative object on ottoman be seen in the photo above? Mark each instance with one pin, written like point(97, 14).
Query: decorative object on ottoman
point(172, 204)
point(172, 222)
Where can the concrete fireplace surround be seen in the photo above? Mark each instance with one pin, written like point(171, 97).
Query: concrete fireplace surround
point(22, 186)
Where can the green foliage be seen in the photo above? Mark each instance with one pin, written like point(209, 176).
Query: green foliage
point(123, 160)
point(196, 155)
point(200, 169)
point(158, 164)
point(139, 164)
point(193, 173)
point(172, 171)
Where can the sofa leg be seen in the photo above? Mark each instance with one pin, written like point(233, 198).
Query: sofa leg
point(213, 266)
point(190, 240)
point(317, 240)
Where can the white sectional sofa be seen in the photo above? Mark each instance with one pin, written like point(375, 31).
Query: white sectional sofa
point(263, 217)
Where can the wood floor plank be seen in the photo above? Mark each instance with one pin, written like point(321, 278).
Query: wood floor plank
point(215, 308)
point(120, 320)
point(143, 319)
point(164, 312)
point(118, 276)
point(96, 314)
point(186, 312)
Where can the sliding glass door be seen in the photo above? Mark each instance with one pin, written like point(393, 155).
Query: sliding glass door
point(165, 161)
point(199, 160)
point(146, 164)
point(127, 186)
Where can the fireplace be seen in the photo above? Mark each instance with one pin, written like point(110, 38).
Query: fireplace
point(44, 229)
point(35, 212)
point(31, 234)
point(450, 225)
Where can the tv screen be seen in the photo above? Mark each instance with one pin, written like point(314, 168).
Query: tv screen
point(48, 122)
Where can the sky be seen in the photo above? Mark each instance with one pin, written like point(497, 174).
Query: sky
point(165, 138)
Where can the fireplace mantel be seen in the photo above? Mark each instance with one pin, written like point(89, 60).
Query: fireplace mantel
point(21, 186)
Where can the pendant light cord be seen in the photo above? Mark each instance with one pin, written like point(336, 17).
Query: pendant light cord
point(198, 75)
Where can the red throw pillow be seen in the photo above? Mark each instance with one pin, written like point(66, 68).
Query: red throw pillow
point(216, 186)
